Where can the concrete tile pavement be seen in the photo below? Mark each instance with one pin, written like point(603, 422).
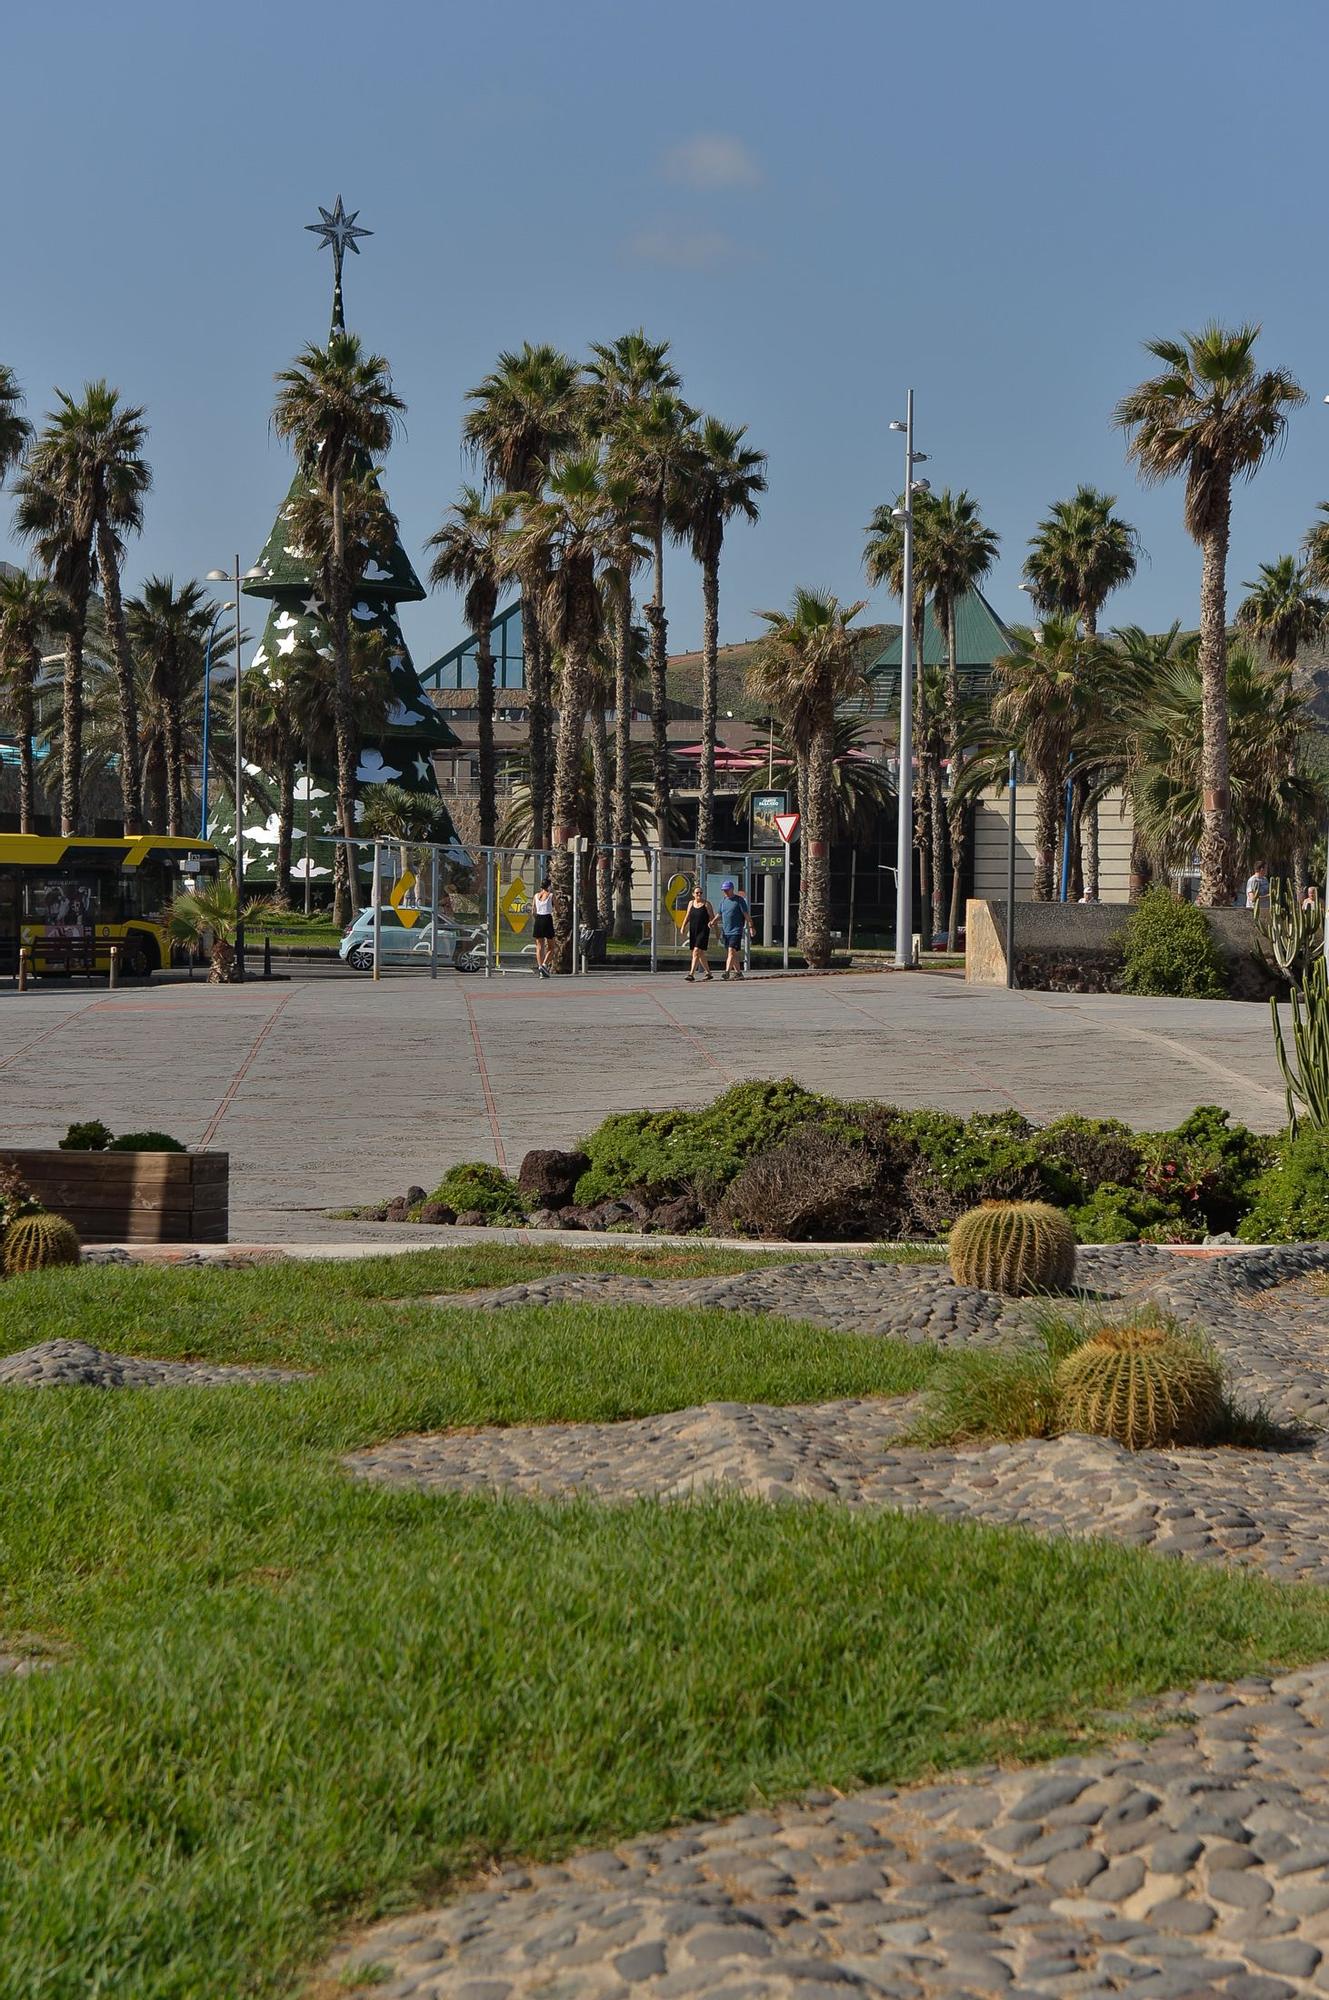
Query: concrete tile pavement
point(327, 1090)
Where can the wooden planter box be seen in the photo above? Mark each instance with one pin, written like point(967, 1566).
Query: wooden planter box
point(132, 1197)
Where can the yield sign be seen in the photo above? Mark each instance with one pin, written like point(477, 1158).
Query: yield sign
point(786, 825)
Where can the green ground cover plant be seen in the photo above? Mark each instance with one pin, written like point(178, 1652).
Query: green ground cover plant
point(284, 1699)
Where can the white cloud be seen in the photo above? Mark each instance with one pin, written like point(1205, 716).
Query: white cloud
point(712, 160)
point(682, 248)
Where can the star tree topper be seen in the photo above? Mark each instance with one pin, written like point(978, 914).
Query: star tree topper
point(338, 232)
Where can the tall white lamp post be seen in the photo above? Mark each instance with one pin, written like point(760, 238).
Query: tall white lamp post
point(904, 841)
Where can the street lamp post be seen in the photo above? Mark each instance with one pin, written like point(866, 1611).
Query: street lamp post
point(236, 577)
point(904, 840)
point(207, 716)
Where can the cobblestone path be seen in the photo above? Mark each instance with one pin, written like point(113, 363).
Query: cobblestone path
point(1190, 1866)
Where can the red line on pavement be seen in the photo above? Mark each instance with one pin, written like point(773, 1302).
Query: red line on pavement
point(243, 1070)
point(46, 1033)
point(697, 1044)
point(495, 1131)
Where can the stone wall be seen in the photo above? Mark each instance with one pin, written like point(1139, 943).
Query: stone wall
point(1076, 947)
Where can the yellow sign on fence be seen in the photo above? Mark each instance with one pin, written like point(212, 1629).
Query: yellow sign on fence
point(403, 887)
point(515, 905)
point(678, 892)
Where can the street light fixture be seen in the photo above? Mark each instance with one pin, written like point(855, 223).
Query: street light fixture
point(236, 577)
point(904, 832)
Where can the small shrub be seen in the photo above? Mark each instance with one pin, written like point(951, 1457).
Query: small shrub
point(90, 1137)
point(813, 1185)
point(145, 1142)
point(676, 1151)
point(1206, 1168)
point(1013, 1247)
point(474, 1187)
point(1119, 1215)
point(1145, 1386)
point(1290, 1203)
point(1095, 1152)
point(16, 1198)
point(37, 1241)
point(1168, 949)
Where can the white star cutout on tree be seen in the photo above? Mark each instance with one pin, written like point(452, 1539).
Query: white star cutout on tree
point(286, 645)
point(313, 607)
point(421, 769)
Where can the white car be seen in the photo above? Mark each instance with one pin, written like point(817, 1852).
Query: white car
point(464, 950)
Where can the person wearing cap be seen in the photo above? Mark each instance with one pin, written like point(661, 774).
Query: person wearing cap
point(735, 921)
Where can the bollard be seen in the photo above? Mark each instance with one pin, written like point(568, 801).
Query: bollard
point(114, 979)
point(267, 958)
point(24, 958)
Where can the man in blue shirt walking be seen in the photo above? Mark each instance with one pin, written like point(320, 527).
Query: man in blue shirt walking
point(735, 920)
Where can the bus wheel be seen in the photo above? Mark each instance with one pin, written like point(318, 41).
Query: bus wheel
point(134, 959)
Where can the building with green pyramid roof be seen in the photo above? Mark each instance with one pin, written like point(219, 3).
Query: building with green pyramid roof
point(981, 639)
point(285, 576)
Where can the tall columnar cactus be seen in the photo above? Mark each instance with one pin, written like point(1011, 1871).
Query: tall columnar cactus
point(35, 1241)
point(1306, 1083)
point(1141, 1385)
point(1014, 1247)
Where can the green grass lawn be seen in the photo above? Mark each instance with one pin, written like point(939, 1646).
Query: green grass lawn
point(285, 1700)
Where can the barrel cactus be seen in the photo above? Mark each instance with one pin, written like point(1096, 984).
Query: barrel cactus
point(1145, 1386)
point(35, 1241)
point(1013, 1247)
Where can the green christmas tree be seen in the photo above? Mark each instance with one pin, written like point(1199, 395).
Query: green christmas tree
point(397, 752)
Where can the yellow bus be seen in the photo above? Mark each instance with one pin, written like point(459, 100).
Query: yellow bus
point(70, 900)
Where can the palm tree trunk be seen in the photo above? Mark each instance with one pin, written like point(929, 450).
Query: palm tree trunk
point(71, 725)
point(339, 590)
point(175, 766)
point(484, 692)
point(567, 795)
point(26, 774)
point(1090, 843)
point(597, 903)
point(537, 698)
point(956, 817)
point(1217, 874)
point(710, 650)
point(154, 783)
point(814, 914)
point(1045, 837)
point(131, 775)
point(285, 816)
point(655, 618)
point(1079, 794)
point(937, 816)
point(623, 767)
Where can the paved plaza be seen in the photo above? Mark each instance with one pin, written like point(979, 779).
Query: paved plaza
point(328, 1091)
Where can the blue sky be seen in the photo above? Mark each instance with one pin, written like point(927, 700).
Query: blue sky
point(818, 206)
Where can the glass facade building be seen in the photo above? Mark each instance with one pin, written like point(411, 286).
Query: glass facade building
point(456, 668)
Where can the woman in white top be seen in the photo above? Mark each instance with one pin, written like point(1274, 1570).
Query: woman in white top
point(542, 903)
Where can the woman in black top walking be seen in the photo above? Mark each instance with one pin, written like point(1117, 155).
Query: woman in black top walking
point(700, 918)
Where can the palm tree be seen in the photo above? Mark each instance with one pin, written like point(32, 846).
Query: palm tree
point(960, 552)
point(313, 699)
point(15, 430)
point(655, 445)
point(208, 918)
point(561, 534)
point(1283, 611)
point(28, 609)
point(271, 733)
point(807, 664)
point(82, 488)
point(1079, 555)
point(1212, 418)
point(623, 374)
point(529, 409)
point(725, 481)
point(1279, 798)
point(1034, 709)
point(337, 407)
point(168, 630)
point(469, 551)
